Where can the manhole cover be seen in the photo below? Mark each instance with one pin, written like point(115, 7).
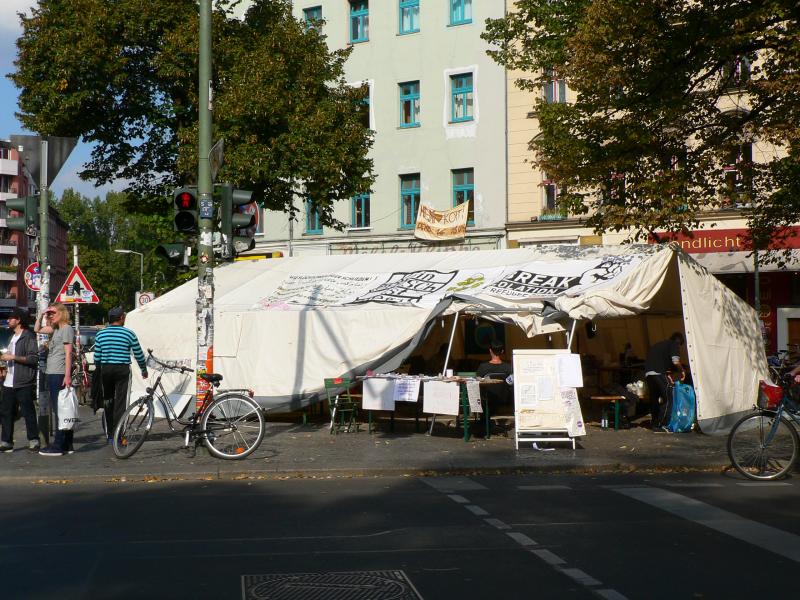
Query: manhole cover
point(349, 585)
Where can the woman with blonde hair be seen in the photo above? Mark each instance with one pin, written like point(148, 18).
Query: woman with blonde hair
point(59, 373)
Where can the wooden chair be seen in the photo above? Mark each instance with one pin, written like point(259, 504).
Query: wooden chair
point(343, 407)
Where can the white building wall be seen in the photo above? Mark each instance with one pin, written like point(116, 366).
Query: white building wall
point(437, 146)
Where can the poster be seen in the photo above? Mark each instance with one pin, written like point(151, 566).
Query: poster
point(474, 396)
point(441, 398)
point(435, 225)
point(406, 390)
point(378, 394)
point(570, 373)
point(572, 410)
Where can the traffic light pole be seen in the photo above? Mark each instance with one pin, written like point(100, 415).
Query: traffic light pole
point(204, 309)
point(43, 295)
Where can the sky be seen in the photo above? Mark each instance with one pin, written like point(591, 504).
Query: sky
point(10, 30)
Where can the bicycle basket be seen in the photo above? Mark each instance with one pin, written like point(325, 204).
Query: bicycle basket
point(769, 395)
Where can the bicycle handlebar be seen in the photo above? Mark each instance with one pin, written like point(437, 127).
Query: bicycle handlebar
point(162, 364)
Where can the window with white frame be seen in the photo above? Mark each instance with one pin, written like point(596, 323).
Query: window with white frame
point(462, 99)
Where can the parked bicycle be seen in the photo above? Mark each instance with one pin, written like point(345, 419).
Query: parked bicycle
point(764, 445)
point(231, 425)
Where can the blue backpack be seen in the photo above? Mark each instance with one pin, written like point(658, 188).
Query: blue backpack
point(683, 408)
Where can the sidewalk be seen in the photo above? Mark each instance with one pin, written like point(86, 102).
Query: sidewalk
point(296, 450)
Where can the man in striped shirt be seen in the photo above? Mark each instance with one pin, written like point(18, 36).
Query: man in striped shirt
point(112, 355)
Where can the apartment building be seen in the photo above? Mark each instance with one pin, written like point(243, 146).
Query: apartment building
point(438, 110)
point(17, 250)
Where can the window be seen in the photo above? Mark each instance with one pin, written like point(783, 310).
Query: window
point(409, 200)
point(555, 88)
point(460, 12)
point(737, 72)
point(462, 99)
point(312, 16)
point(363, 106)
point(615, 189)
point(549, 194)
point(409, 104)
point(359, 21)
point(738, 171)
point(360, 211)
point(313, 221)
point(464, 191)
point(409, 16)
point(5, 184)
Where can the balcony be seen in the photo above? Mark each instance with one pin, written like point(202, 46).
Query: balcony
point(8, 276)
point(7, 247)
point(9, 167)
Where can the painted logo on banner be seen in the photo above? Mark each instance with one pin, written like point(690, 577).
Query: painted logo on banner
point(405, 288)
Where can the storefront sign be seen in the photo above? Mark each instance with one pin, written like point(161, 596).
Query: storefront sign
point(403, 246)
point(435, 225)
point(728, 240)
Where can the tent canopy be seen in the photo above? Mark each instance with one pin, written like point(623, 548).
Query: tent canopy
point(283, 325)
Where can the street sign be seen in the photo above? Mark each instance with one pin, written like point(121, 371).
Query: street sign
point(143, 298)
point(33, 277)
point(59, 149)
point(77, 290)
point(216, 157)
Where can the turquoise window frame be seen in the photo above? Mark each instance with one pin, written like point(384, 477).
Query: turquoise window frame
point(363, 222)
point(312, 15)
point(413, 98)
point(465, 188)
point(409, 6)
point(458, 12)
point(461, 86)
point(410, 195)
point(313, 221)
point(359, 12)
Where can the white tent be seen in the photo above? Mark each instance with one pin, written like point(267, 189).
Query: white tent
point(283, 325)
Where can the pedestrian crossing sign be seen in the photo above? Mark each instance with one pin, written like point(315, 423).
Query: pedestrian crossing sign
point(77, 290)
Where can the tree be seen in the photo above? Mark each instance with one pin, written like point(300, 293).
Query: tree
point(98, 227)
point(123, 76)
point(670, 97)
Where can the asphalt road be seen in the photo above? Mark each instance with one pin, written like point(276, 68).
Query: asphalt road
point(545, 536)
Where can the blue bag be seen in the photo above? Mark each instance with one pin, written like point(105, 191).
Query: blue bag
point(683, 408)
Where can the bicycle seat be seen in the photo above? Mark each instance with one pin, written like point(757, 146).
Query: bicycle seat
point(211, 377)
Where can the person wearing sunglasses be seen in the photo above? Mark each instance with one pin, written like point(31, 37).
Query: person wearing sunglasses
point(55, 322)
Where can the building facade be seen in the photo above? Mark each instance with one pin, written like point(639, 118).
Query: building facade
point(438, 110)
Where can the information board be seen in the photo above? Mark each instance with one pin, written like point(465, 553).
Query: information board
point(546, 406)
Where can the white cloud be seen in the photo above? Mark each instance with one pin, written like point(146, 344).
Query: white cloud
point(9, 21)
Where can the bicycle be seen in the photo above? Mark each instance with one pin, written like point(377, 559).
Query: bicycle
point(764, 445)
point(231, 425)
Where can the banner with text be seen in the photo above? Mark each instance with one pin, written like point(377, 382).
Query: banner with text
point(436, 225)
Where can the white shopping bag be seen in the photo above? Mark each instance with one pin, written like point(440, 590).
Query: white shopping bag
point(67, 408)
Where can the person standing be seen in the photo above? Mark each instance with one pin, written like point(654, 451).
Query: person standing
point(58, 369)
point(662, 358)
point(19, 385)
point(112, 355)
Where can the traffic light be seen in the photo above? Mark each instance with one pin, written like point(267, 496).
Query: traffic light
point(238, 215)
point(185, 203)
point(28, 207)
point(175, 254)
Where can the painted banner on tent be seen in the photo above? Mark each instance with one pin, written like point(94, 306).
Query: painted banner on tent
point(427, 287)
point(438, 225)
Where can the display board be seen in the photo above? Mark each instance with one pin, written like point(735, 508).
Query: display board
point(546, 406)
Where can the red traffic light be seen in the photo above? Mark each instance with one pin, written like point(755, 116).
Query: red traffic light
point(185, 201)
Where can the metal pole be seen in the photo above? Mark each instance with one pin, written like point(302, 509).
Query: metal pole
point(141, 272)
point(204, 309)
point(77, 306)
point(450, 343)
point(43, 296)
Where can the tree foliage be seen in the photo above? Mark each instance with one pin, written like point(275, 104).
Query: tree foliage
point(98, 227)
point(122, 74)
point(669, 95)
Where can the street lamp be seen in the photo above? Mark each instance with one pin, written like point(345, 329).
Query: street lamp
point(141, 264)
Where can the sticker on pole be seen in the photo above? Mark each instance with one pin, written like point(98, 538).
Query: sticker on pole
point(33, 277)
point(77, 290)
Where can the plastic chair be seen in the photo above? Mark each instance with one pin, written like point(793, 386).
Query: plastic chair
point(342, 406)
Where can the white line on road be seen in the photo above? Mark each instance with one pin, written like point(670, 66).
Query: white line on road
point(542, 488)
point(580, 576)
point(457, 498)
point(453, 484)
point(520, 538)
point(693, 485)
point(610, 595)
point(548, 557)
point(497, 523)
point(764, 483)
point(476, 510)
point(770, 538)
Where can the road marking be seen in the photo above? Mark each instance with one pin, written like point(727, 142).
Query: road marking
point(770, 538)
point(497, 523)
point(764, 484)
point(610, 595)
point(580, 576)
point(693, 485)
point(548, 557)
point(520, 538)
point(542, 488)
point(457, 498)
point(476, 510)
point(453, 484)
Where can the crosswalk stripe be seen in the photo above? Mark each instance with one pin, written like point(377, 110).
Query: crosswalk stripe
point(542, 488)
point(764, 536)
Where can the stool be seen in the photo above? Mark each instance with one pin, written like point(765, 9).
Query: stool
point(616, 401)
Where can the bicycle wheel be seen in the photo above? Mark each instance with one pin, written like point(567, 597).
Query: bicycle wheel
point(132, 428)
point(233, 425)
point(760, 453)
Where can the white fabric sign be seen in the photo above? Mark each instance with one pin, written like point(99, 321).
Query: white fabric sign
point(378, 394)
point(441, 398)
point(406, 390)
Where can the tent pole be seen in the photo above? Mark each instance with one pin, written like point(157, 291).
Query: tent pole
point(450, 345)
point(571, 334)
